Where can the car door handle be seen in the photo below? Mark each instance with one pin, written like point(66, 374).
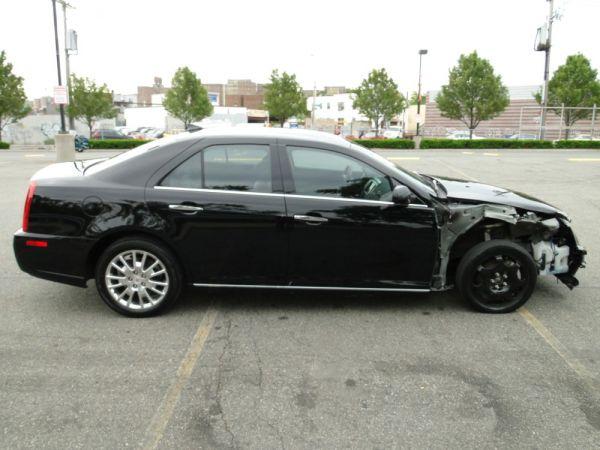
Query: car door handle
point(310, 220)
point(188, 209)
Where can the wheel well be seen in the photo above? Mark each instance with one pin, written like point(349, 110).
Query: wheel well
point(106, 241)
point(487, 229)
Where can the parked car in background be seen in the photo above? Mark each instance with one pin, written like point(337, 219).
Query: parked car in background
point(461, 134)
point(81, 143)
point(283, 209)
point(107, 133)
point(524, 136)
point(139, 133)
point(154, 133)
point(392, 133)
point(124, 130)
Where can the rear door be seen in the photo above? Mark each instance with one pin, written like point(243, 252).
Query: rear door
point(346, 232)
point(224, 210)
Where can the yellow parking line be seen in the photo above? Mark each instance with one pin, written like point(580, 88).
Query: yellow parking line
point(159, 422)
point(492, 154)
point(35, 155)
point(558, 346)
point(468, 153)
point(584, 159)
point(405, 158)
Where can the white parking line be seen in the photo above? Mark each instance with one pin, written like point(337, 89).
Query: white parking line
point(584, 159)
point(492, 154)
point(35, 155)
point(468, 153)
point(404, 158)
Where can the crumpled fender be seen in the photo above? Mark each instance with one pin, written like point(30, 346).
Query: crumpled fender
point(462, 218)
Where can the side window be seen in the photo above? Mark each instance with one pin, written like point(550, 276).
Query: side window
point(226, 167)
point(188, 174)
point(326, 173)
point(238, 168)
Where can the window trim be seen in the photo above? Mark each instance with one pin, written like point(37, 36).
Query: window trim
point(282, 195)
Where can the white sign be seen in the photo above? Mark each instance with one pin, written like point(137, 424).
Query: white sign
point(60, 95)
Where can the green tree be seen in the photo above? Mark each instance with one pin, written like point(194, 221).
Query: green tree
point(13, 102)
point(284, 97)
point(473, 93)
point(378, 98)
point(89, 101)
point(187, 99)
point(414, 99)
point(574, 84)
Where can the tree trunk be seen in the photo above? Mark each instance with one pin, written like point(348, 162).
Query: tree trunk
point(470, 133)
point(568, 133)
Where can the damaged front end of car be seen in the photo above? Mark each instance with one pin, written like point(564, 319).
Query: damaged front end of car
point(548, 239)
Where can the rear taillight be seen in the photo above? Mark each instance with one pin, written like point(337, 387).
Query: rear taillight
point(28, 200)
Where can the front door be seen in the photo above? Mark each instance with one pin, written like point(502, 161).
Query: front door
point(346, 232)
point(223, 215)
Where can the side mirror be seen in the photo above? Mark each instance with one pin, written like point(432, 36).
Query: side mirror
point(401, 196)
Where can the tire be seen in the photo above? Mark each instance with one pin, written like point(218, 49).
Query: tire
point(133, 290)
point(496, 276)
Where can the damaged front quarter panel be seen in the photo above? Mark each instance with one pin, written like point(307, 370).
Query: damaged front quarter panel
point(455, 220)
point(561, 257)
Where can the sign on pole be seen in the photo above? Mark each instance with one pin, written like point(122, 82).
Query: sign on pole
point(60, 95)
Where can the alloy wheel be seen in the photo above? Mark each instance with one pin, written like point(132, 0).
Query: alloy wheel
point(137, 279)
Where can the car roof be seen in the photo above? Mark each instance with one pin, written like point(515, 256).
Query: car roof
point(270, 133)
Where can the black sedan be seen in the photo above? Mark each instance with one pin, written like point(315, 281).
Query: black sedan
point(283, 209)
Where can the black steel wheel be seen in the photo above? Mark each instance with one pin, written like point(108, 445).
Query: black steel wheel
point(496, 276)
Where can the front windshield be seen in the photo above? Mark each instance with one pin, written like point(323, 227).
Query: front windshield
point(389, 163)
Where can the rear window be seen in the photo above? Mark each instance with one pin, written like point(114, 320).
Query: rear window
point(240, 167)
point(123, 157)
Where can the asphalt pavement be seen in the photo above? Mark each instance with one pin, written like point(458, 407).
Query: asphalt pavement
point(260, 369)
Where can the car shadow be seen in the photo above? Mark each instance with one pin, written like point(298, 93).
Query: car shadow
point(232, 299)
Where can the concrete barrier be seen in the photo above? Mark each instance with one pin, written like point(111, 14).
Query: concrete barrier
point(65, 147)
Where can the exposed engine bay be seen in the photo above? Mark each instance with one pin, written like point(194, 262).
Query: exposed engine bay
point(549, 240)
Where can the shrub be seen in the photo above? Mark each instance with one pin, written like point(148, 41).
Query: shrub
point(485, 143)
point(49, 141)
point(386, 143)
point(577, 144)
point(116, 143)
point(4, 145)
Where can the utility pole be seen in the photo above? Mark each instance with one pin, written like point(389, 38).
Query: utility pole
point(61, 106)
point(548, 48)
point(421, 53)
point(65, 5)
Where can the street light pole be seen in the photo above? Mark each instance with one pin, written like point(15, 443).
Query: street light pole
point(65, 5)
point(547, 71)
point(421, 53)
point(61, 106)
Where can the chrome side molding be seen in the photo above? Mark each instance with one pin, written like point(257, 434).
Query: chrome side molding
point(311, 288)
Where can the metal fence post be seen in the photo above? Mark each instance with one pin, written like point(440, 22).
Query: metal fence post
point(521, 121)
point(593, 122)
point(562, 115)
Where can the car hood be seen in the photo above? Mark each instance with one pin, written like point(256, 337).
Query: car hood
point(472, 191)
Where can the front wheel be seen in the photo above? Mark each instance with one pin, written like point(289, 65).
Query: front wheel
point(496, 276)
point(138, 277)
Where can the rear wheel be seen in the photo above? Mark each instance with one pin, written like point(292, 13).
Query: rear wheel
point(496, 276)
point(138, 277)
